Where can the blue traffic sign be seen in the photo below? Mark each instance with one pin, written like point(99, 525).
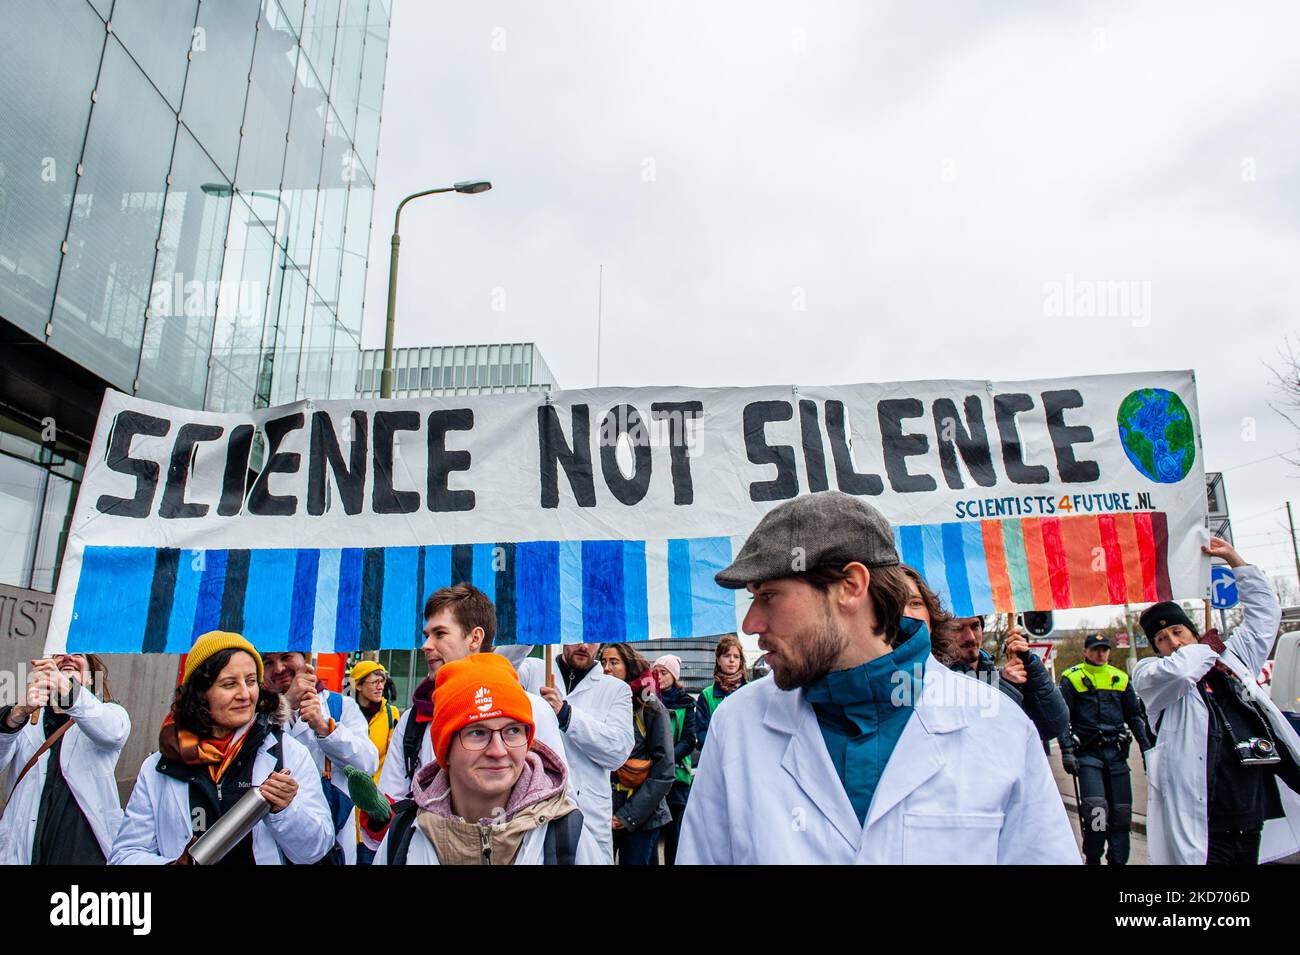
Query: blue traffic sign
point(1223, 588)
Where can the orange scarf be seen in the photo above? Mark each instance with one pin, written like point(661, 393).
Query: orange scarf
point(186, 747)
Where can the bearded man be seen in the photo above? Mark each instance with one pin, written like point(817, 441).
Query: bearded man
point(862, 748)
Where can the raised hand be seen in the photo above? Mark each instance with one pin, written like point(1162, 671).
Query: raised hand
point(1015, 672)
point(1016, 643)
point(552, 696)
point(1218, 547)
point(40, 684)
point(310, 710)
point(304, 681)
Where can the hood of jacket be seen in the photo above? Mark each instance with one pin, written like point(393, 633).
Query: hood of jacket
point(537, 798)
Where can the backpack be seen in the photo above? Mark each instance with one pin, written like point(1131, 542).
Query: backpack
point(412, 737)
point(559, 845)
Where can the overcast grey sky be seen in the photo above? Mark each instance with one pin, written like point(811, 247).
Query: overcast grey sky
point(914, 174)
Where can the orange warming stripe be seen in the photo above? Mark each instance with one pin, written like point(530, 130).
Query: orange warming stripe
point(995, 556)
point(1085, 561)
point(1040, 580)
point(1126, 534)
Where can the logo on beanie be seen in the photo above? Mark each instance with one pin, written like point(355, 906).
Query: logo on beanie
point(483, 699)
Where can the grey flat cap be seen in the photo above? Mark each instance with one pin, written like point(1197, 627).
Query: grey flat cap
point(829, 527)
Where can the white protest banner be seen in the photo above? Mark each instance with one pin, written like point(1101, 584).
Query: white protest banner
point(602, 515)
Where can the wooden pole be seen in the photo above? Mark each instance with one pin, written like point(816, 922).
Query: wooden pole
point(550, 674)
point(1209, 620)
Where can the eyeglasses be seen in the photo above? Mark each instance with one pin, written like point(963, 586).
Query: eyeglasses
point(475, 738)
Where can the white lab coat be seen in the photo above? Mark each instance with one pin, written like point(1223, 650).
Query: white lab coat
point(532, 674)
point(157, 825)
point(88, 755)
point(598, 741)
point(967, 783)
point(1178, 830)
point(349, 745)
point(395, 783)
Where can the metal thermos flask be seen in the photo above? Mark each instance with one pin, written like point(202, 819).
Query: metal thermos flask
point(231, 828)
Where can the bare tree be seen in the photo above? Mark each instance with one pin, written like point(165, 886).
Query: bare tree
point(1288, 594)
point(1286, 385)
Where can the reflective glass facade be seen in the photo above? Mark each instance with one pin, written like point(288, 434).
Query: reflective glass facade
point(185, 203)
point(186, 188)
point(457, 370)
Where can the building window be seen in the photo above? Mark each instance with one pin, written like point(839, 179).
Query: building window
point(21, 487)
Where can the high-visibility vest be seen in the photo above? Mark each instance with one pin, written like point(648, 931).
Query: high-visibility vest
point(1084, 678)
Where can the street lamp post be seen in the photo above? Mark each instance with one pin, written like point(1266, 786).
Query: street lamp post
point(470, 187)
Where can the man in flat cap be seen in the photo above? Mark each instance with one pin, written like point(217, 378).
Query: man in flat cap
point(1224, 776)
point(862, 748)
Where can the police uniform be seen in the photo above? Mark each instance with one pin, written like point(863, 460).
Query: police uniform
point(1103, 709)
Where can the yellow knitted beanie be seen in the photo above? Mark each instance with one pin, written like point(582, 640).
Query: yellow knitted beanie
point(212, 642)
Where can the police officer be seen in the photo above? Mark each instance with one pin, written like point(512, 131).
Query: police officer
point(1103, 709)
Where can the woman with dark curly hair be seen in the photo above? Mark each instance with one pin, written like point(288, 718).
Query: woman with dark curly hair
point(221, 738)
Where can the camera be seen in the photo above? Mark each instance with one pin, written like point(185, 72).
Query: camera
point(1257, 751)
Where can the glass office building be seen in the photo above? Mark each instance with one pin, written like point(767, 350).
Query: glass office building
point(185, 208)
point(457, 370)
